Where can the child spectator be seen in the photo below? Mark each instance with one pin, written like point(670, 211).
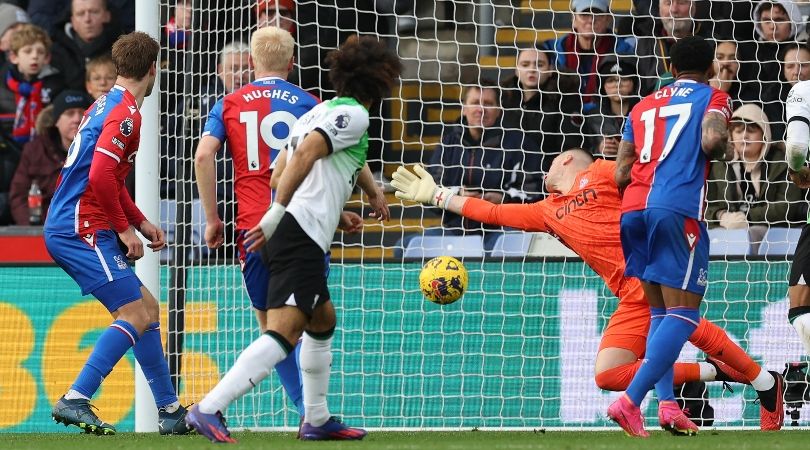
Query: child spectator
point(28, 83)
point(42, 158)
point(101, 75)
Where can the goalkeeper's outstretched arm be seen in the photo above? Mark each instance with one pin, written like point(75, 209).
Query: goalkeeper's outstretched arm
point(419, 186)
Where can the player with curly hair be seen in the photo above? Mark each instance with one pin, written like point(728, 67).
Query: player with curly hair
point(326, 153)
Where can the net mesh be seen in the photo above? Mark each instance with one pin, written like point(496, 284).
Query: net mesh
point(518, 349)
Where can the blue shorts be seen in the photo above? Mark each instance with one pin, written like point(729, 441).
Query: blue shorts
point(664, 247)
point(94, 261)
point(255, 273)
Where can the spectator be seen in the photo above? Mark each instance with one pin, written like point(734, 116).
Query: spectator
point(277, 13)
point(619, 85)
point(28, 83)
point(727, 79)
point(42, 158)
point(479, 158)
point(11, 17)
point(752, 191)
point(87, 34)
point(677, 19)
point(776, 23)
point(795, 67)
point(101, 76)
point(591, 40)
point(48, 13)
point(233, 72)
point(545, 104)
point(178, 27)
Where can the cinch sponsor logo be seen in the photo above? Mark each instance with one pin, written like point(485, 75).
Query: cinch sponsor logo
point(577, 201)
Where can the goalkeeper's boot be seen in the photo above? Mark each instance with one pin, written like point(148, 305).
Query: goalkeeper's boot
point(78, 412)
point(672, 419)
point(693, 400)
point(726, 372)
point(331, 430)
point(772, 405)
point(174, 422)
point(211, 426)
point(628, 416)
point(301, 425)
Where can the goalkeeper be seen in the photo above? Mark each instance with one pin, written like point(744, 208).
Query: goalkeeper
point(583, 212)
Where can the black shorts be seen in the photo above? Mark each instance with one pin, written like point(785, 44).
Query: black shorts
point(800, 269)
point(298, 268)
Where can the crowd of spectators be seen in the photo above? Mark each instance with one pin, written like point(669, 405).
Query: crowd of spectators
point(572, 91)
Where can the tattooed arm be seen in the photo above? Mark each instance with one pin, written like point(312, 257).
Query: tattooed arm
point(714, 139)
point(624, 162)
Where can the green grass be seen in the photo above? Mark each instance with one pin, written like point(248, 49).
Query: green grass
point(463, 440)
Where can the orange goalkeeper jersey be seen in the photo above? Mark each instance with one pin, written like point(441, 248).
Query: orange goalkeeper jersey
point(586, 220)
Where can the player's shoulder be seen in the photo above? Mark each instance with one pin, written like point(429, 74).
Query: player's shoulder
point(799, 93)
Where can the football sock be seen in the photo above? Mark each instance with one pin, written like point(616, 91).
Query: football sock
point(149, 353)
point(316, 363)
point(799, 317)
point(290, 376)
point(714, 341)
point(663, 349)
point(110, 347)
point(251, 367)
point(73, 394)
point(663, 387)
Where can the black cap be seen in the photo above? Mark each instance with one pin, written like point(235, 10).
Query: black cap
point(70, 99)
point(623, 66)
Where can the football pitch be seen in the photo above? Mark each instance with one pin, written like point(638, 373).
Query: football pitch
point(462, 440)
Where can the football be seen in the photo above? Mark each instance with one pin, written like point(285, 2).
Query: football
point(443, 280)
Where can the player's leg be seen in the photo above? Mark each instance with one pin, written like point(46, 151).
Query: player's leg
point(799, 292)
point(633, 232)
point(256, 276)
point(253, 365)
point(96, 263)
point(149, 354)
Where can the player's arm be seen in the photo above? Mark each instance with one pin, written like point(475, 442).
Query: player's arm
point(135, 217)
point(374, 194)
point(278, 168)
point(714, 137)
point(798, 135)
point(206, 174)
point(313, 147)
point(419, 186)
point(625, 158)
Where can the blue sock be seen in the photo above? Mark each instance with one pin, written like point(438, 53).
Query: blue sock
point(110, 347)
point(663, 349)
point(289, 373)
point(149, 353)
point(663, 388)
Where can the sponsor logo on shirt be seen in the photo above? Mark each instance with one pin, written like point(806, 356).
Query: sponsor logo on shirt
point(117, 143)
point(580, 199)
point(583, 182)
point(126, 127)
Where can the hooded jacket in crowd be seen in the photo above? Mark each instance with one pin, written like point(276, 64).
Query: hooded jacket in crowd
point(765, 194)
point(70, 54)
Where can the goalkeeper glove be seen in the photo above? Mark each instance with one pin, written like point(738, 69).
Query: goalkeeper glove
point(418, 186)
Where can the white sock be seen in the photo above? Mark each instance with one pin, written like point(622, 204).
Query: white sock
point(316, 365)
point(707, 371)
point(171, 407)
point(252, 366)
point(802, 326)
point(763, 381)
point(74, 394)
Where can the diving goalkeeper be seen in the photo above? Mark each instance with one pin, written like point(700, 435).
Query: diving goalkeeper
point(583, 212)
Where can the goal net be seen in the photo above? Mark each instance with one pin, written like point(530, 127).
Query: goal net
point(518, 350)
